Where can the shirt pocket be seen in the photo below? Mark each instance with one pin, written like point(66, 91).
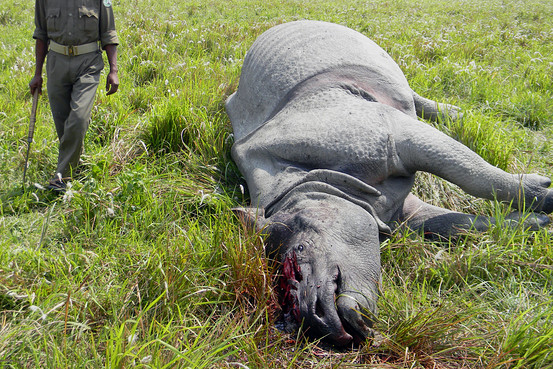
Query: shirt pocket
point(53, 20)
point(90, 19)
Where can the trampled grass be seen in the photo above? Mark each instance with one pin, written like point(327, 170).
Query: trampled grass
point(142, 263)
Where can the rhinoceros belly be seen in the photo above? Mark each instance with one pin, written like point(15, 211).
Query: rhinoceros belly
point(295, 53)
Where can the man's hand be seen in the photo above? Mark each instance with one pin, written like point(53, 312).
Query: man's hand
point(112, 82)
point(36, 83)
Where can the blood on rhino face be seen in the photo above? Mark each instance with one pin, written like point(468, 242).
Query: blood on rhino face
point(330, 268)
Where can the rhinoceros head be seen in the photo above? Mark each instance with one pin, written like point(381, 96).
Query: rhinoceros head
point(330, 256)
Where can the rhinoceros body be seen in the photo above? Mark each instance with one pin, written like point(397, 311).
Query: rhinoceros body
point(327, 137)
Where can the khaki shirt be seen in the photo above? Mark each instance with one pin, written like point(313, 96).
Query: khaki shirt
point(75, 22)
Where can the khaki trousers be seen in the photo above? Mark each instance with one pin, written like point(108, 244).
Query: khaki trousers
point(72, 84)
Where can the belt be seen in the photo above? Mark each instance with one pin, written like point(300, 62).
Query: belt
point(74, 50)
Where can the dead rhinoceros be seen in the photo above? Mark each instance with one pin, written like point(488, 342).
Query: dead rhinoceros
point(327, 137)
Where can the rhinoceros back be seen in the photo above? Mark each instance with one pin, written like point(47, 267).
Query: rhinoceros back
point(291, 53)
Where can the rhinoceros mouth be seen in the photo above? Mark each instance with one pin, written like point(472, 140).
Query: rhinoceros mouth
point(356, 338)
point(288, 284)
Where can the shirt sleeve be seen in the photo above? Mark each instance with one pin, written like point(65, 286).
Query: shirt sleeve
point(108, 34)
point(40, 21)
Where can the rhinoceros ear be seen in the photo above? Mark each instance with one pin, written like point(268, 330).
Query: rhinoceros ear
point(252, 218)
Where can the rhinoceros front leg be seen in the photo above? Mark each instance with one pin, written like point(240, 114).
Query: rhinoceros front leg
point(434, 111)
point(440, 223)
point(422, 147)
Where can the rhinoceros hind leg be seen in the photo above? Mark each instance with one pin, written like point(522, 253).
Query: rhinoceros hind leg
point(439, 223)
point(434, 111)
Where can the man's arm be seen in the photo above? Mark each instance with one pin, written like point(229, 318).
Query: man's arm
point(112, 81)
point(41, 48)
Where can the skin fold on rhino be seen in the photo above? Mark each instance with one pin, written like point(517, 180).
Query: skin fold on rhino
point(328, 140)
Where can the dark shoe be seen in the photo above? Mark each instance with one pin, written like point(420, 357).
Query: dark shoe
point(56, 185)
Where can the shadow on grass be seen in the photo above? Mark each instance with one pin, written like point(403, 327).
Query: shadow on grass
point(21, 199)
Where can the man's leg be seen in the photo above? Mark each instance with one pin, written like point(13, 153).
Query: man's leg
point(60, 86)
point(76, 124)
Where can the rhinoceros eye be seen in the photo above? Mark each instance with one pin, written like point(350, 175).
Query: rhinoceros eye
point(300, 247)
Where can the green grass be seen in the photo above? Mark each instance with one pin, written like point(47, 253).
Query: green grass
point(142, 264)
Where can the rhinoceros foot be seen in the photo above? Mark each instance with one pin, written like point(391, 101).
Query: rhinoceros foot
point(538, 196)
point(531, 221)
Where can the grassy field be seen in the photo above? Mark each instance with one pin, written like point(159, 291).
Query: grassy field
point(141, 263)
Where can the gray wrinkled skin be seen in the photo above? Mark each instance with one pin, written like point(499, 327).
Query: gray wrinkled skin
point(327, 137)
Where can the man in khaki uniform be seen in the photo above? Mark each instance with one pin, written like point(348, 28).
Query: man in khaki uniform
point(69, 32)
